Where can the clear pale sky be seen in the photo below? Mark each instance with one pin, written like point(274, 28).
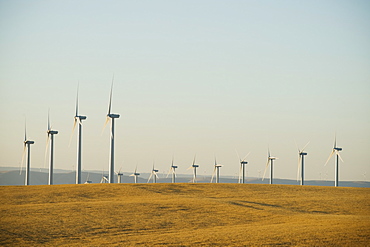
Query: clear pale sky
point(191, 77)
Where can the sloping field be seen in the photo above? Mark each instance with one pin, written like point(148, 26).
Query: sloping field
point(184, 215)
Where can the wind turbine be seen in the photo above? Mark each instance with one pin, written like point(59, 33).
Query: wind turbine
point(50, 138)
point(87, 179)
point(104, 178)
point(135, 175)
point(78, 119)
point(153, 174)
point(173, 170)
point(27, 146)
point(119, 176)
point(335, 151)
point(194, 167)
point(216, 171)
point(111, 116)
point(243, 162)
point(270, 161)
point(301, 154)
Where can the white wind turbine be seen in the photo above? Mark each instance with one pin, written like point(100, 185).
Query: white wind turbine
point(78, 119)
point(135, 175)
point(119, 176)
point(243, 162)
point(270, 161)
point(173, 170)
point(153, 174)
point(216, 171)
point(111, 117)
point(336, 151)
point(50, 138)
point(300, 170)
point(27, 146)
point(194, 167)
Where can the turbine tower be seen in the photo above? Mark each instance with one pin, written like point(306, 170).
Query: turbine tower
point(78, 119)
point(194, 167)
point(270, 161)
point(111, 116)
point(336, 151)
point(173, 170)
point(153, 174)
point(50, 139)
point(243, 162)
point(301, 153)
point(135, 175)
point(216, 171)
point(27, 146)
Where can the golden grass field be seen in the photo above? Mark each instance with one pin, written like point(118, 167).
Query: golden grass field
point(184, 215)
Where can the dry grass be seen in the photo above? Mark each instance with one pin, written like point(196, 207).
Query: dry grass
point(184, 215)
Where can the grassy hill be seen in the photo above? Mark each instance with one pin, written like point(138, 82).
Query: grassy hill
point(184, 215)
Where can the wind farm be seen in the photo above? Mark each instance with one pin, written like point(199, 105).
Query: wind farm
point(165, 80)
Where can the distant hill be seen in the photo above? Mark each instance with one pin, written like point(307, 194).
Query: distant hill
point(9, 176)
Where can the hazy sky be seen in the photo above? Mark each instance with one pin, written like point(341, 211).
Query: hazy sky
point(191, 77)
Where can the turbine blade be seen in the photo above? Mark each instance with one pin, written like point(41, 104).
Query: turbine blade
point(305, 146)
point(297, 146)
point(332, 152)
point(246, 156)
point(264, 173)
point(77, 100)
point(339, 156)
point(194, 159)
point(49, 119)
point(169, 172)
point(149, 177)
point(238, 155)
point(47, 148)
point(105, 124)
point(213, 174)
point(73, 130)
point(110, 97)
point(24, 154)
point(25, 130)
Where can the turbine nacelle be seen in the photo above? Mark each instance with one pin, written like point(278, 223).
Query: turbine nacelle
point(111, 115)
point(81, 117)
point(218, 166)
point(302, 153)
point(338, 149)
point(174, 167)
point(243, 162)
point(195, 165)
point(52, 132)
point(155, 170)
point(29, 142)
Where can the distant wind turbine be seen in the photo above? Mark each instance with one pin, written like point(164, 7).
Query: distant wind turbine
point(194, 167)
point(153, 175)
point(50, 139)
point(270, 161)
point(216, 171)
point(27, 146)
point(119, 176)
point(111, 116)
point(335, 151)
point(173, 170)
point(78, 119)
point(135, 175)
point(301, 153)
point(242, 162)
